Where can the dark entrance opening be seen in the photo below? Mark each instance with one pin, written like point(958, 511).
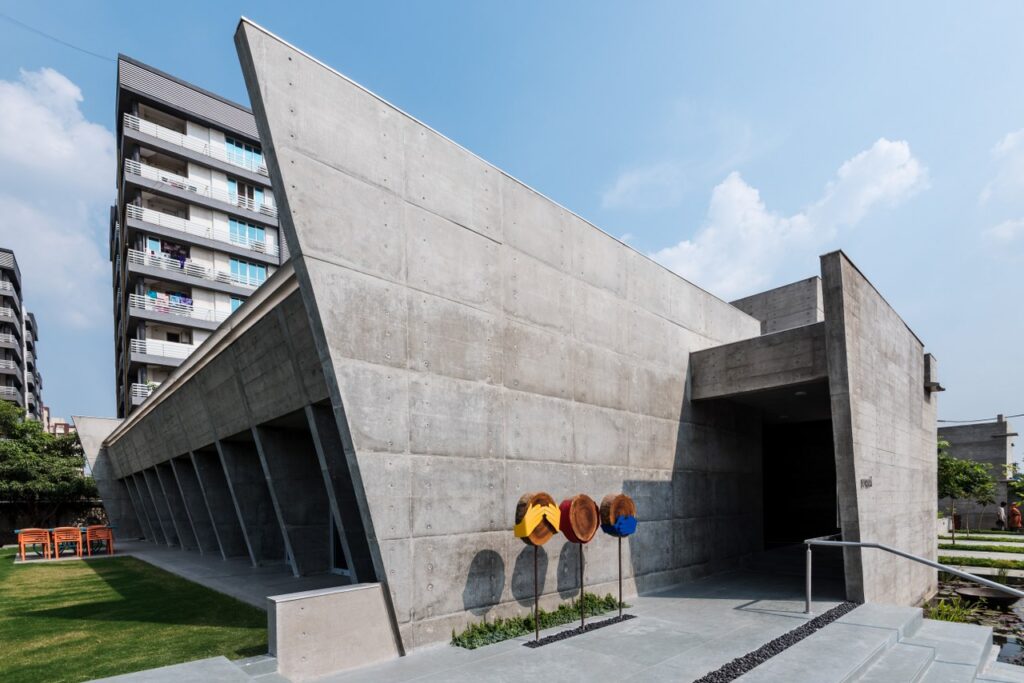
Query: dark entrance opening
point(799, 482)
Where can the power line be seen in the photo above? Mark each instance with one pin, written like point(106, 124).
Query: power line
point(984, 419)
point(55, 38)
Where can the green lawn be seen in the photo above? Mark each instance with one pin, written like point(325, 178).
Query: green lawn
point(980, 562)
point(983, 548)
point(79, 620)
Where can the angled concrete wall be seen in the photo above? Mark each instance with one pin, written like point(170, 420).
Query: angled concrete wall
point(884, 430)
point(118, 500)
point(480, 341)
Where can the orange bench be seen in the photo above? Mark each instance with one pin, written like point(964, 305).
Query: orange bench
point(99, 533)
point(67, 534)
point(28, 537)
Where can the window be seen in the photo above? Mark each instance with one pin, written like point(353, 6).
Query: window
point(244, 154)
point(152, 245)
point(235, 303)
point(245, 195)
point(248, 273)
point(246, 233)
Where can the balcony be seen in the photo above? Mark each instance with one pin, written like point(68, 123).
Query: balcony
point(141, 302)
point(133, 167)
point(195, 144)
point(7, 315)
point(198, 229)
point(140, 392)
point(190, 268)
point(165, 349)
point(11, 394)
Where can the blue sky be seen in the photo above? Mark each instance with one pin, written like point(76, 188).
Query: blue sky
point(733, 141)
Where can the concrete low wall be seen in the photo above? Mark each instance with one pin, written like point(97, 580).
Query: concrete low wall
point(315, 633)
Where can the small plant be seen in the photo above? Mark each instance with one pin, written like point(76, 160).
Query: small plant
point(988, 548)
point(1002, 576)
point(980, 562)
point(954, 609)
point(488, 632)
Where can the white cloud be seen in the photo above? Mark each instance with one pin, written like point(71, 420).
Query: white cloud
point(742, 244)
point(1006, 232)
point(56, 184)
point(646, 187)
point(1009, 178)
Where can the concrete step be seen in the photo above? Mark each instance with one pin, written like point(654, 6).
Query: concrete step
point(899, 664)
point(962, 645)
point(258, 666)
point(837, 653)
point(1001, 672)
point(946, 672)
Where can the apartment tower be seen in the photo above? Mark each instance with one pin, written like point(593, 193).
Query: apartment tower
point(20, 380)
point(195, 229)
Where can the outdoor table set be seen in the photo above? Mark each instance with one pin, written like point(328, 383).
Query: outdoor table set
point(55, 541)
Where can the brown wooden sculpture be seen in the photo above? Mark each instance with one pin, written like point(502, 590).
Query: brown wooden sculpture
point(580, 519)
point(537, 518)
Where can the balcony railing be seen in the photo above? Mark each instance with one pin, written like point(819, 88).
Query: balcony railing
point(8, 337)
point(187, 267)
point(142, 391)
point(190, 185)
point(6, 286)
point(195, 144)
point(156, 347)
point(6, 312)
point(148, 303)
point(8, 364)
point(192, 228)
point(9, 392)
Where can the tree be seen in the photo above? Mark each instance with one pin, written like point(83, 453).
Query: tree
point(962, 480)
point(39, 472)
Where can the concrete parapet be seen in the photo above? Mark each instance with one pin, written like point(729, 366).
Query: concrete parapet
point(319, 632)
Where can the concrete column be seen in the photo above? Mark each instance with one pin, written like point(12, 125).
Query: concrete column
point(297, 490)
point(195, 506)
point(163, 512)
point(220, 505)
point(176, 506)
point(124, 512)
point(248, 485)
point(338, 479)
point(150, 507)
point(140, 510)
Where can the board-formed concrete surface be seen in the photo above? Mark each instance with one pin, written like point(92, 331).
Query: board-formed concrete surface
point(445, 339)
point(481, 341)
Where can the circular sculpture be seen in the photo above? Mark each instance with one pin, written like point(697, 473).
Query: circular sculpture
point(618, 515)
point(537, 518)
point(580, 518)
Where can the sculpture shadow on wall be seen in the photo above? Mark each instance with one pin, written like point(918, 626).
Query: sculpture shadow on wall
point(522, 574)
point(485, 582)
point(568, 571)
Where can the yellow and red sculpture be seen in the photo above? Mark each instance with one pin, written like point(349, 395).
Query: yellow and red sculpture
point(580, 518)
point(537, 518)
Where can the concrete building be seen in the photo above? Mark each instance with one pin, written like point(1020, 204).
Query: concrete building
point(194, 230)
point(20, 380)
point(58, 426)
point(990, 443)
point(444, 339)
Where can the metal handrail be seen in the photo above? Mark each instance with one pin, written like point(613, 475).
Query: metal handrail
point(222, 153)
point(828, 541)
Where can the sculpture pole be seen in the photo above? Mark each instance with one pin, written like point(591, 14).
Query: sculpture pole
point(620, 577)
point(536, 599)
point(582, 609)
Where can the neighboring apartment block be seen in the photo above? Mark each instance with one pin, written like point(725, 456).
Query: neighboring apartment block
point(195, 229)
point(20, 379)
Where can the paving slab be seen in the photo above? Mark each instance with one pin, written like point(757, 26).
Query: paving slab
point(212, 670)
point(900, 664)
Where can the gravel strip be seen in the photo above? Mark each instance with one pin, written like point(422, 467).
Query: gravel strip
point(742, 665)
point(592, 626)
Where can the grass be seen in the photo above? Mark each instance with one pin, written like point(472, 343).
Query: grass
point(983, 548)
point(488, 632)
point(981, 562)
point(1001, 535)
point(78, 620)
point(953, 609)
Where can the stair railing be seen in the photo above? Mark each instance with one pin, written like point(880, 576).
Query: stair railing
point(831, 541)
